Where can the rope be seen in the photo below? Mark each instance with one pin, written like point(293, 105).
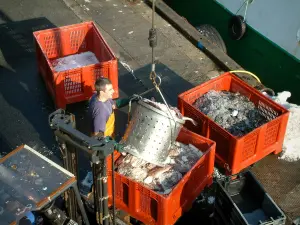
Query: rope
point(246, 11)
point(241, 7)
point(247, 4)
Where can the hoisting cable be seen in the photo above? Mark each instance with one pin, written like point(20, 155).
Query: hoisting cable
point(153, 76)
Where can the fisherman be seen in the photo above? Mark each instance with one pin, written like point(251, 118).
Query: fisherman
point(102, 106)
point(102, 116)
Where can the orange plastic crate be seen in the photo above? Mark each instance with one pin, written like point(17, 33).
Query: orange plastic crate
point(77, 84)
point(154, 209)
point(237, 153)
point(109, 174)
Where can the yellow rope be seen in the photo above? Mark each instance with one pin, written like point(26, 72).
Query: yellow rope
point(247, 72)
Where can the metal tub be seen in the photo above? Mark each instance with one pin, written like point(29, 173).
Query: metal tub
point(150, 133)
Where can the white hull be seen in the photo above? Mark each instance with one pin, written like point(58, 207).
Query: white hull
point(277, 20)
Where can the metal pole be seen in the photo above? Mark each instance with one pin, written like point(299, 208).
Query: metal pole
point(97, 192)
point(105, 193)
point(80, 204)
point(113, 187)
point(70, 163)
point(73, 165)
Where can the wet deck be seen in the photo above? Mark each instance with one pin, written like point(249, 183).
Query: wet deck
point(25, 104)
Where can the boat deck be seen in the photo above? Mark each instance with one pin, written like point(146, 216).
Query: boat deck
point(25, 103)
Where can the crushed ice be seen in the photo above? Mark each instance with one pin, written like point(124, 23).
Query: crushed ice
point(291, 144)
point(74, 61)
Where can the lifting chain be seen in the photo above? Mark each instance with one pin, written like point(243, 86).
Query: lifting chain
point(156, 80)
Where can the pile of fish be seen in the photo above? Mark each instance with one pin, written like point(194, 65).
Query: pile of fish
point(160, 179)
point(232, 111)
point(174, 111)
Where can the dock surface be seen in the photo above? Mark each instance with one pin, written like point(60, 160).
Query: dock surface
point(25, 103)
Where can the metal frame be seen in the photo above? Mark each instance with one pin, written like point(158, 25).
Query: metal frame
point(70, 183)
point(71, 140)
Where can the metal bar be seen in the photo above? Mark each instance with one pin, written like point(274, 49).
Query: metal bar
point(80, 204)
point(105, 193)
point(66, 138)
point(113, 187)
point(72, 161)
point(70, 165)
point(97, 192)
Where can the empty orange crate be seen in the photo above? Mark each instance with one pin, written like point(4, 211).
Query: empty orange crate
point(152, 208)
point(77, 84)
point(237, 153)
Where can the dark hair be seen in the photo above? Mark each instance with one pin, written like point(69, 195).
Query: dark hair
point(101, 83)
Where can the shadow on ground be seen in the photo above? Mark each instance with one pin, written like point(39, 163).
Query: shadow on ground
point(25, 103)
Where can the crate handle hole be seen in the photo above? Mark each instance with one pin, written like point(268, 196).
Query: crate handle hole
point(125, 194)
point(153, 209)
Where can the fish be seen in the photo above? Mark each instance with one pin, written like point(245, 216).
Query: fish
point(119, 160)
point(181, 158)
point(157, 171)
point(174, 111)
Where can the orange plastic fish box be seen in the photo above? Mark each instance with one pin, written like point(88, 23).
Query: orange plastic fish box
point(237, 153)
point(152, 208)
point(77, 84)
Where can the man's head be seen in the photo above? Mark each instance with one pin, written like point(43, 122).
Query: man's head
point(104, 88)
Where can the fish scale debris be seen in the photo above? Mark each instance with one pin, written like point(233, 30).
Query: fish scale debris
point(232, 111)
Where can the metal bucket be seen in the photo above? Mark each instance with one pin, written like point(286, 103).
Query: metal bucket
point(150, 133)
